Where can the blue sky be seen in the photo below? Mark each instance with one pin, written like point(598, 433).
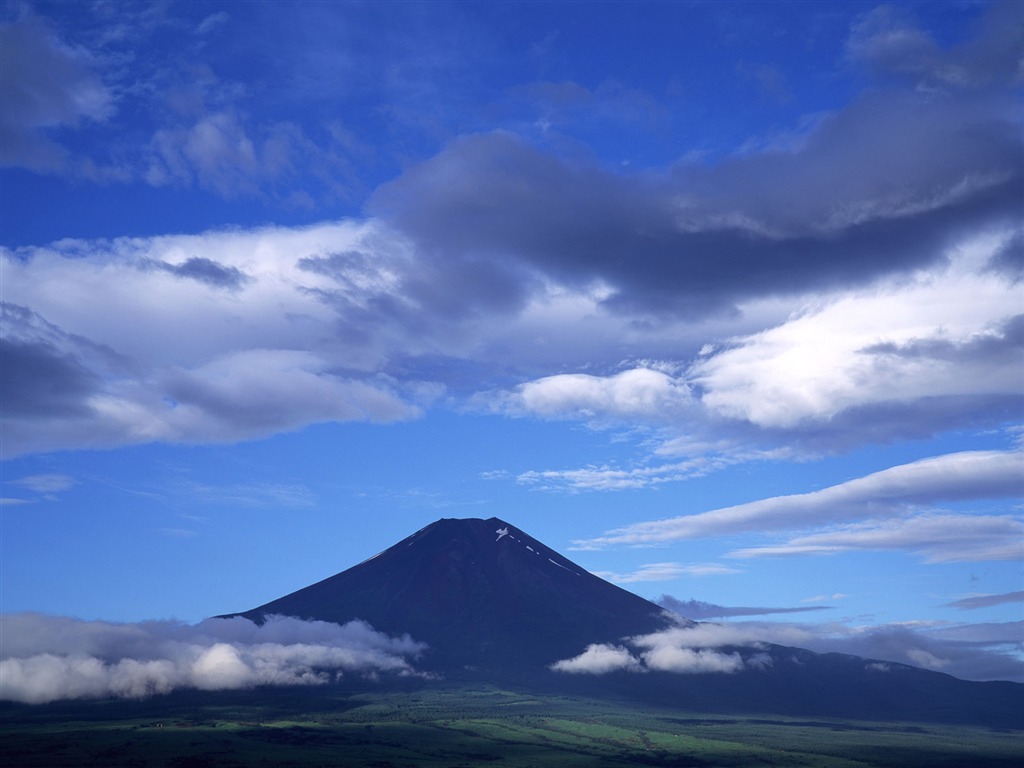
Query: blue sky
point(723, 301)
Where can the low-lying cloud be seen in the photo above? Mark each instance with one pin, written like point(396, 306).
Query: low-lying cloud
point(975, 651)
point(50, 658)
point(681, 650)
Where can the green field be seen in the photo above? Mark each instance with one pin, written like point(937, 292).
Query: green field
point(464, 727)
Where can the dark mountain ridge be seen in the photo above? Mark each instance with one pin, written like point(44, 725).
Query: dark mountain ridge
point(494, 605)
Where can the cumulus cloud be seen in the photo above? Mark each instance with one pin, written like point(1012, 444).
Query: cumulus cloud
point(932, 351)
point(687, 651)
point(643, 393)
point(267, 359)
point(884, 350)
point(890, 493)
point(49, 658)
point(599, 659)
point(669, 658)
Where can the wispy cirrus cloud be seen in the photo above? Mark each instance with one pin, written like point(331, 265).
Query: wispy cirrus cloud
point(274, 495)
point(46, 484)
point(612, 478)
point(48, 83)
point(192, 126)
point(698, 609)
point(890, 493)
point(667, 572)
point(938, 538)
point(974, 602)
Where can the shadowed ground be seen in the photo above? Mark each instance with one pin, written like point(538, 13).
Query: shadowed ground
point(462, 726)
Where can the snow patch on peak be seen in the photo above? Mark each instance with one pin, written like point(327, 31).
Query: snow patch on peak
point(501, 532)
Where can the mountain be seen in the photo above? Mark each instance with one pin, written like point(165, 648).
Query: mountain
point(495, 605)
point(482, 594)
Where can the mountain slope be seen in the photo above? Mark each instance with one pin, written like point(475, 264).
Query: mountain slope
point(483, 595)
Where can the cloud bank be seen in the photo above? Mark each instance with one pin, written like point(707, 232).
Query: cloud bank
point(970, 651)
point(855, 285)
point(49, 658)
point(967, 651)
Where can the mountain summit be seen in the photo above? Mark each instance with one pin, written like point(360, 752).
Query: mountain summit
point(495, 605)
point(482, 594)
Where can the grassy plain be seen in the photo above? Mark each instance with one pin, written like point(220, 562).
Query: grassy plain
point(459, 727)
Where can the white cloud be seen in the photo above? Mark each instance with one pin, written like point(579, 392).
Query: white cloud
point(897, 343)
point(47, 484)
point(609, 478)
point(48, 658)
point(704, 635)
point(688, 650)
point(899, 357)
point(241, 334)
point(666, 572)
point(638, 393)
point(599, 659)
point(824, 598)
point(889, 493)
point(698, 458)
point(668, 658)
point(230, 338)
